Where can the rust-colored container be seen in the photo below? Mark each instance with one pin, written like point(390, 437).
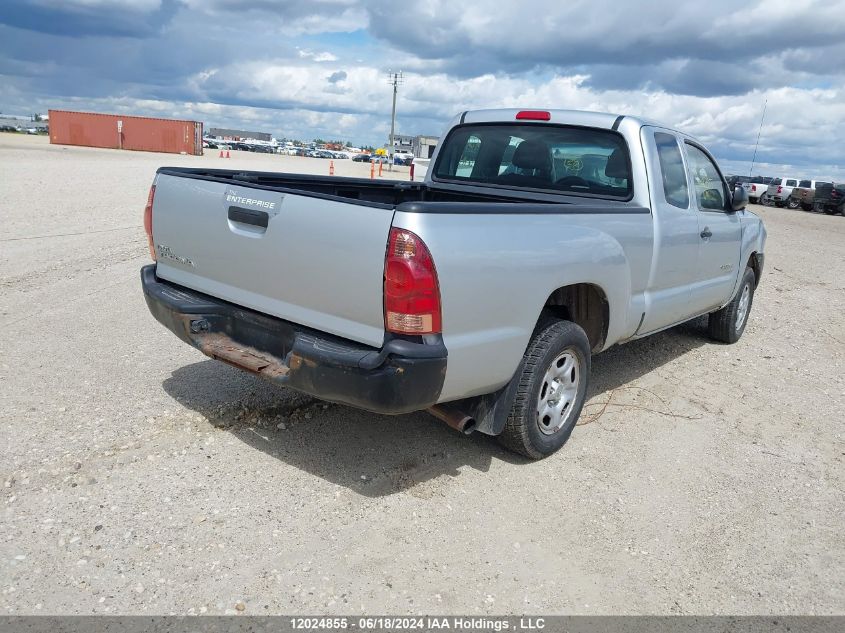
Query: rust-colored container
point(119, 131)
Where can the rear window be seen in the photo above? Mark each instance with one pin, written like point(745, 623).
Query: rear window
point(776, 181)
point(804, 183)
point(791, 183)
point(563, 159)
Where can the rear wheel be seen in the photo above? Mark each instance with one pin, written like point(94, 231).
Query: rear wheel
point(764, 199)
point(728, 324)
point(551, 390)
point(793, 204)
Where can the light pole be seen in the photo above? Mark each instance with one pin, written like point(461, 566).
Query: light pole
point(396, 79)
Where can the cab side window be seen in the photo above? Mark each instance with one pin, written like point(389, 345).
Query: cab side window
point(710, 191)
point(675, 188)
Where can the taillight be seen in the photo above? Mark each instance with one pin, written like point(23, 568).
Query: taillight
point(780, 188)
point(148, 221)
point(533, 115)
point(411, 291)
point(753, 187)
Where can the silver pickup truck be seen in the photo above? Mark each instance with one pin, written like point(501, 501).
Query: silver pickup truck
point(537, 239)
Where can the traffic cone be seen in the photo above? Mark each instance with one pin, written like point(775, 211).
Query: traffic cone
point(221, 153)
point(372, 169)
point(379, 168)
point(227, 153)
point(412, 172)
point(331, 168)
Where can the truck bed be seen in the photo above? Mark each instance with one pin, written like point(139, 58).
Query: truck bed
point(310, 249)
point(387, 192)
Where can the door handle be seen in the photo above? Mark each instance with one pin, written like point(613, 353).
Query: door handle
point(249, 216)
point(706, 234)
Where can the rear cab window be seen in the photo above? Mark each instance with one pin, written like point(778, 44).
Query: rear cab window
point(558, 158)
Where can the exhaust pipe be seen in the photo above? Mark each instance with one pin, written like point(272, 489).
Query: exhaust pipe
point(456, 419)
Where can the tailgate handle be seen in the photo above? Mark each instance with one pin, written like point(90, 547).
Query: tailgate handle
point(249, 216)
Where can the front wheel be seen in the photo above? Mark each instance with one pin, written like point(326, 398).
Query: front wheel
point(728, 324)
point(552, 386)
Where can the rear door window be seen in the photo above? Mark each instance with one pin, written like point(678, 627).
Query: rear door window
point(791, 183)
point(672, 172)
point(804, 183)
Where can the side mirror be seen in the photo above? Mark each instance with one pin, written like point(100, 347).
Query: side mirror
point(740, 198)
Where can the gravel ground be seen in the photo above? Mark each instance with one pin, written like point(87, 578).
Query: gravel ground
point(141, 477)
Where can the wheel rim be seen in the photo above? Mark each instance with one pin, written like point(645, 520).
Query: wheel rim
point(742, 309)
point(558, 392)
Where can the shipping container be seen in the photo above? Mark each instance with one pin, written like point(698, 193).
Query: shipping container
point(120, 131)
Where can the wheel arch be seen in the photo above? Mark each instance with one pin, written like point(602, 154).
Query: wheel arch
point(586, 305)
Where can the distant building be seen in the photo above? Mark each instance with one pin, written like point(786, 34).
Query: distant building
point(401, 143)
point(423, 146)
point(238, 135)
point(419, 146)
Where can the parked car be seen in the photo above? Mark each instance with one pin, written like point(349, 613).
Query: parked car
point(383, 302)
point(780, 189)
point(377, 158)
point(361, 158)
point(830, 198)
point(758, 189)
point(803, 195)
point(733, 181)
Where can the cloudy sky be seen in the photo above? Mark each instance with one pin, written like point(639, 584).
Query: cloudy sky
point(318, 68)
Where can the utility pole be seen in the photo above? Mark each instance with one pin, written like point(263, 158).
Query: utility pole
point(397, 80)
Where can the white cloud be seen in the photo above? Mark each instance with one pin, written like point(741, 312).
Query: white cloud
point(325, 56)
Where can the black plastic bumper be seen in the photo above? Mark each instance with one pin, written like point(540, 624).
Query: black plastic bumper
point(401, 377)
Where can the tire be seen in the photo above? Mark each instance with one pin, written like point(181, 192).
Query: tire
point(807, 207)
point(728, 324)
point(793, 204)
point(829, 211)
point(764, 199)
point(542, 375)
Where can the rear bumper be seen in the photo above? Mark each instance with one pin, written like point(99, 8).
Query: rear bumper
point(401, 377)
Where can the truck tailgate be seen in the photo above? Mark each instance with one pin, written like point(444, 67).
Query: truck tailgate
point(310, 260)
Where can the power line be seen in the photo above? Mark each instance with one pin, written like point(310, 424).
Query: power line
point(754, 157)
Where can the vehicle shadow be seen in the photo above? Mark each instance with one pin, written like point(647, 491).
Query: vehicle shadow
point(376, 455)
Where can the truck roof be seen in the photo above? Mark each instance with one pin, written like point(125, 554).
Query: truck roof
point(571, 117)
